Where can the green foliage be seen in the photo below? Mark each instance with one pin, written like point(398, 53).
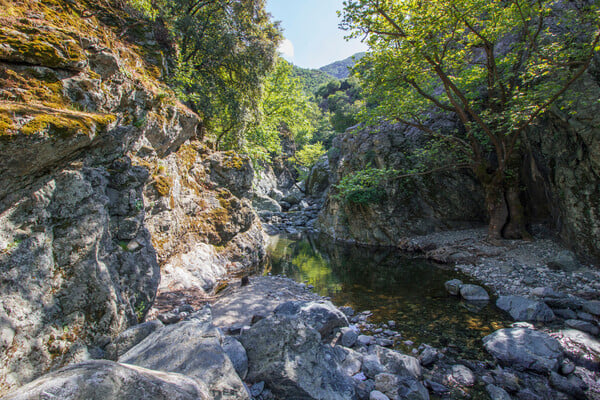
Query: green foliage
point(285, 110)
point(364, 186)
point(309, 154)
point(310, 79)
point(341, 102)
point(496, 65)
point(225, 49)
point(144, 7)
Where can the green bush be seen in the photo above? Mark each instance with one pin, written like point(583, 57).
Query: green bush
point(364, 186)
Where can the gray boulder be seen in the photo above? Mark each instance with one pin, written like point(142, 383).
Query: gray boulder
point(453, 286)
point(524, 349)
point(107, 380)
point(349, 337)
point(288, 355)
point(132, 336)
point(397, 387)
point(317, 181)
point(463, 375)
point(592, 307)
point(474, 293)
point(566, 261)
point(397, 363)
point(572, 385)
point(265, 203)
point(580, 347)
point(237, 354)
point(584, 326)
point(497, 393)
point(377, 395)
point(524, 309)
point(320, 315)
point(192, 348)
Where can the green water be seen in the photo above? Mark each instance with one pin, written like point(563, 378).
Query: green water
point(393, 286)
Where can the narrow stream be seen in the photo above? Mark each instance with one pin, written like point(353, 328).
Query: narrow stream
point(393, 286)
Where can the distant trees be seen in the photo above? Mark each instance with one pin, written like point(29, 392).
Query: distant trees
point(285, 111)
point(496, 65)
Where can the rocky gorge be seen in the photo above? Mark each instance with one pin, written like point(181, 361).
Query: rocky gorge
point(123, 238)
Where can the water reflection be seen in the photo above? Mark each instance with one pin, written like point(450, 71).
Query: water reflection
point(393, 286)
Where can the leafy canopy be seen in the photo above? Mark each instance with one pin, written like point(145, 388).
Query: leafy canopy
point(497, 65)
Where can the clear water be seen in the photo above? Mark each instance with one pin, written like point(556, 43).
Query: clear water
point(393, 286)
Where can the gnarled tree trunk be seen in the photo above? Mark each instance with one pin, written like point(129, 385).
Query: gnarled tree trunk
point(503, 203)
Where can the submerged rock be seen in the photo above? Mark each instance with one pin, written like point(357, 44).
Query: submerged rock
point(524, 349)
point(474, 293)
point(107, 380)
point(453, 286)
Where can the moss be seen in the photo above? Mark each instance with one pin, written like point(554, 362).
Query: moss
point(163, 184)
point(233, 160)
point(51, 48)
point(50, 121)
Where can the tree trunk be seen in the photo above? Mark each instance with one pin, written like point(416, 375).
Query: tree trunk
point(515, 228)
point(497, 209)
point(507, 216)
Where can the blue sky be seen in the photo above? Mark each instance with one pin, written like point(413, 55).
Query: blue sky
point(311, 31)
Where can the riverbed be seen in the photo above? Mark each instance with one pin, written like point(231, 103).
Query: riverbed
point(394, 287)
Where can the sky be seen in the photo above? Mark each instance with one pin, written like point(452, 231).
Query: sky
point(312, 36)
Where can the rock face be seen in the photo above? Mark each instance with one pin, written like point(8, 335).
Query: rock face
point(101, 380)
point(418, 209)
point(93, 202)
point(288, 355)
point(524, 349)
point(192, 348)
point(564, 166)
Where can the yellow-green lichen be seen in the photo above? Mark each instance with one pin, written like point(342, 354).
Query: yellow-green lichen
point(50, 48)
point(163, 184)
point(233, 160)
point(33, 120)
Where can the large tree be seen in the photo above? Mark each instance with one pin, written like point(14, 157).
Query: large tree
point(497, 65)
point(225, 50)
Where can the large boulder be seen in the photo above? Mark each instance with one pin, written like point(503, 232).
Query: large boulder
point(192, 348)
point(132, 336)
point(409, 207)
point(524, 349)
point(288, 355)
point(262, 202)
point(524, 309)
point(580, 347)
point(320, 315)
point(107, 380)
